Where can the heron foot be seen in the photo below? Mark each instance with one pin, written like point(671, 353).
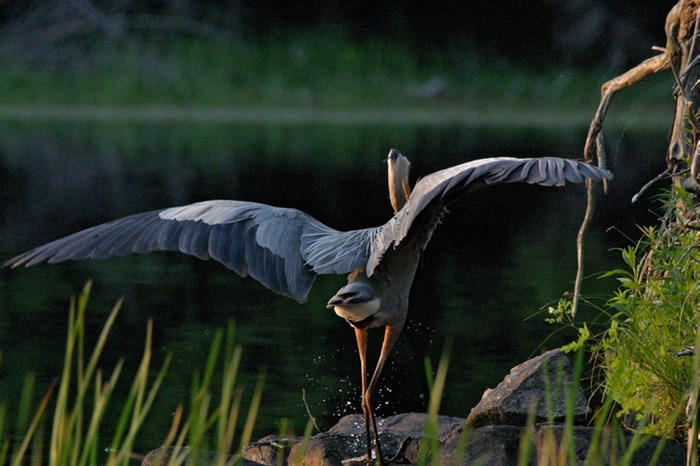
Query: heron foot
point(398, 457)
point(366, 459)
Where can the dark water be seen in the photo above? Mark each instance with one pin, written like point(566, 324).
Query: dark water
point(499, 257)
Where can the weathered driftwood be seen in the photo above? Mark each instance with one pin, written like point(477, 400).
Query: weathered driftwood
point(681, 55)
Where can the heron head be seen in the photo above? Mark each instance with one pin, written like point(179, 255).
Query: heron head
point(399, 189)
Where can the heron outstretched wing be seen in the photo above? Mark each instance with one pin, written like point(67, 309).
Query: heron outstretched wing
point(433, 191)
point(284, 249)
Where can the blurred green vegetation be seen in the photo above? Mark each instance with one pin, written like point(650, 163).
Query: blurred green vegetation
point(320, 70)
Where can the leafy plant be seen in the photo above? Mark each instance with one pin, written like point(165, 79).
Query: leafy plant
point(651, 316)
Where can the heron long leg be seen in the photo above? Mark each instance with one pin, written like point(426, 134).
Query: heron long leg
point(361, 337)
point(391, 334)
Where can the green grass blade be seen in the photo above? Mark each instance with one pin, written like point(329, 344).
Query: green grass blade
point(18, 456)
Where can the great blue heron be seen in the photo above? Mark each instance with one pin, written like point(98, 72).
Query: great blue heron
point(285, 249)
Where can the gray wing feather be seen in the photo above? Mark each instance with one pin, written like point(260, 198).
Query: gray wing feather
point(335, 252)
point(433, 191)
point(284, 249)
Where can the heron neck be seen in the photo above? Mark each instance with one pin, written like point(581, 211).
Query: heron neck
point(397, 196)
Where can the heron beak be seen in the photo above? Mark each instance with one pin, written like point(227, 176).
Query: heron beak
point(399, 188)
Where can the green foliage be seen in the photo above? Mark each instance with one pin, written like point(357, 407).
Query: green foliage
point(652, 314)
point(430, 446)
point(82, 395)
point(80, 399)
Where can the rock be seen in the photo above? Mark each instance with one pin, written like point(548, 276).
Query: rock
point(542, 381)
point(485, 446)
point(410, 424)
point(402, 433)
point(500, 445)
point(157, 457)
point(548, 438)
point(162, 457)
point(272, 450)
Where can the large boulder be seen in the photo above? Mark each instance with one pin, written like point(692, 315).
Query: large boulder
point(539, 387)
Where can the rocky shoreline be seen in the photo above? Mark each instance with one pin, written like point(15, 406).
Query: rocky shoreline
point(534, 393)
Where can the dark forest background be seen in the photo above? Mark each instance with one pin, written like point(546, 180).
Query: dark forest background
point(606, 34)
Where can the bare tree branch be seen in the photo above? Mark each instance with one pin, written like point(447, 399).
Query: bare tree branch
point(676, 29)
